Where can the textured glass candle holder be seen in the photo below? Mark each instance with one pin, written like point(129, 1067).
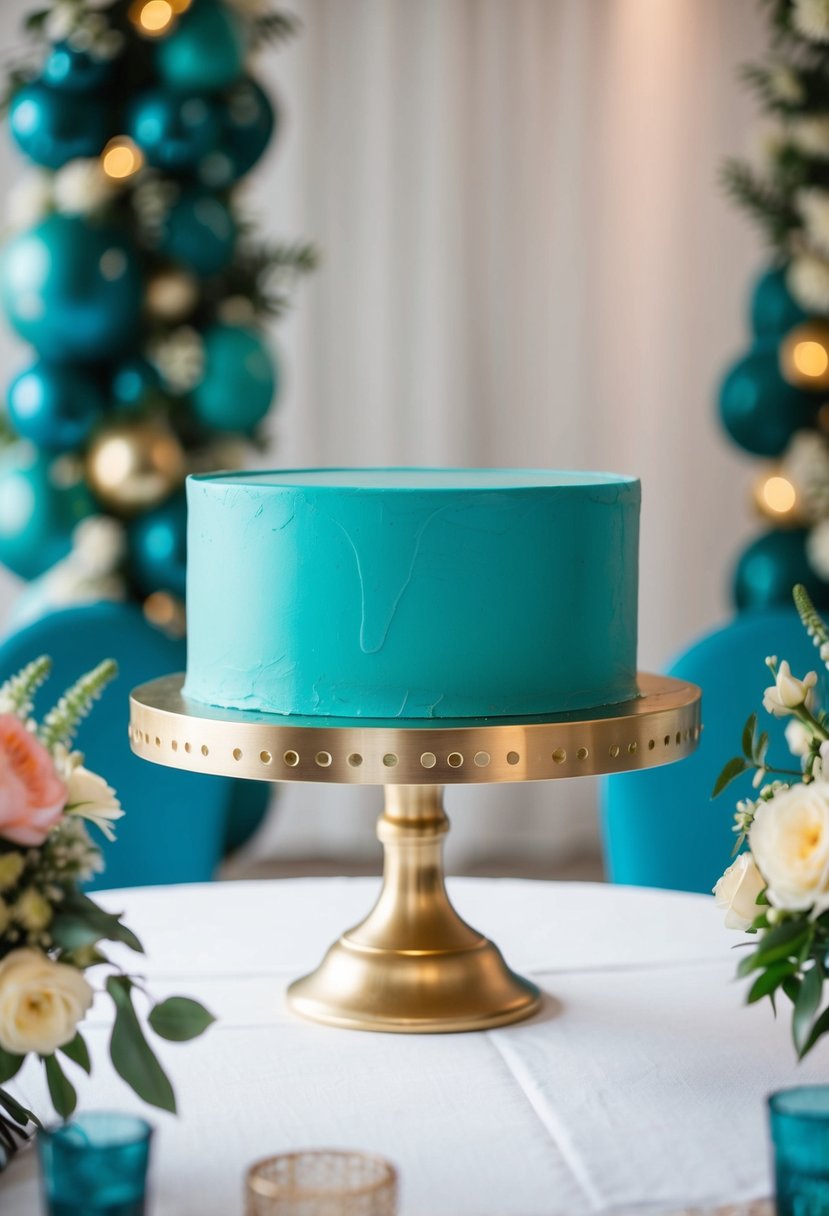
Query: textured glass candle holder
point(95, 1165)
point(322, 1183)
point(800, 1134)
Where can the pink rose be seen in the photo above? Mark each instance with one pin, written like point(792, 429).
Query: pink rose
point(32, 797)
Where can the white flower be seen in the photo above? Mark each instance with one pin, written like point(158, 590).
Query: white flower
point(810, 135)
point(787, 692)
point(807, 278)
point(29, 199)
point(41, 1003)
point(81, 187)
point(811, 19)
point(789, 840)
point(736, 892)
point(813, 206)
point(798, 738)
point(786, 85)
point(89, 796)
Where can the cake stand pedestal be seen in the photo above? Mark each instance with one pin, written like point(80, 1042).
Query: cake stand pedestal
point(413, 965)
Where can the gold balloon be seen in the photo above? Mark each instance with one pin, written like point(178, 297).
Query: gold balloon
point(166, 612)
point(804, 355)
point(776, 498)
point(133, 465)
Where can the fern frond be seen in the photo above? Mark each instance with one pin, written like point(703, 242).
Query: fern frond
point(18, 693)
point(812, 622)
point(772, 209)
point(273, 27)
point(61, 723)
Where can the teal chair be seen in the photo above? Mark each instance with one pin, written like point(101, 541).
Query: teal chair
point(177, 825)
point(660, 826)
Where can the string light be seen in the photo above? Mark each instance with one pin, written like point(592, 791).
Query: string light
point(153, 17)
point(121, 158)
point(776, 498)
point(804, 356)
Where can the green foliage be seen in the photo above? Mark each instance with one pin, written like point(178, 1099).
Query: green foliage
point(80, 923)
point(62, 722)
point(19, 690)
point(19, 1113)
point(132, 1055)
point(78, 1052)
point(180, 1019)
point(10, 1065)
point(273, 27)
point(812, 622)
point(762, 200)
point(733, 768)
point(61, 1090)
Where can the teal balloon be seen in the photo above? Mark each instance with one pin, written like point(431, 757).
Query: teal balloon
point(52, 127)
point(71, 289)
point(758, 408)
point(199, 231)
point(240, 380)
point(158, 548)
point(72, 71)
point(55, 406)
point(771, 566)
point(37, 516)
point(206, 50)
point(248, 121)
point(773, 308)
point(174, 131)
point(132, 383)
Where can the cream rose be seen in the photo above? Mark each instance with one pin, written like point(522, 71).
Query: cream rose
point(789, 840)
point(89, 796)
point(41, 1002)
point(736, 892)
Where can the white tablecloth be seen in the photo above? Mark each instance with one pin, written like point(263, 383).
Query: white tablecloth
point(646, 1084)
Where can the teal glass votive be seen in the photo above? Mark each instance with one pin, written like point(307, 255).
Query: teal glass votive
point(800, 1134)
point(95, 1165)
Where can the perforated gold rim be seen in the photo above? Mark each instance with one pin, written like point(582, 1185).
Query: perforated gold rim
point(659, 727)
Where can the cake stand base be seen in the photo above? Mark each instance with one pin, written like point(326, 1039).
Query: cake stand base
point(413, 966)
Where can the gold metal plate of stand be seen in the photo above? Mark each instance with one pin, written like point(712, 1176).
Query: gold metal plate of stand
point(413, 965)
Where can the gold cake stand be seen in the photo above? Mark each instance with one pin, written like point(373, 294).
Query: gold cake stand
point(413, 965)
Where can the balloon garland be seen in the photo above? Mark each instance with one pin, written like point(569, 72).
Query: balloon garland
point(774, 399)
point(138, 283)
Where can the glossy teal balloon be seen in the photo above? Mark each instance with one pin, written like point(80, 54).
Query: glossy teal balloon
point(74, 71)
point(771, 566)
point(133, 382)
point(773, 309)
point(54, 405)
point(158, 548)
point(71, 289)
point(248, 121)
point(37, 516)
point(199, 231)
point(174, 131)
point(206, 50)
point(758, 408)
point(240, 380)
point(53, 127)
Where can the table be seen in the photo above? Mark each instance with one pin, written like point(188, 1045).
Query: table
point(643, 1080)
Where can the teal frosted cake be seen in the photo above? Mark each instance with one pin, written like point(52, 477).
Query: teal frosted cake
point(412, 593)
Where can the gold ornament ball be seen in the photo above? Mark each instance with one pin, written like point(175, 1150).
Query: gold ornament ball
point(134, 465)
point(804, 355)
point(776, 499)
point(171, 295)
point(166, 612)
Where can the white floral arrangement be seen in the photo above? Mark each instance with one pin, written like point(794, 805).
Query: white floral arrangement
point(51, 933)
point(777, 889)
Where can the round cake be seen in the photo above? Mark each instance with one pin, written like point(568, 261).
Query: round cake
point(412, 593)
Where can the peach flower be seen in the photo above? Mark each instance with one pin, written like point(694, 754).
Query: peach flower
point(32, 797)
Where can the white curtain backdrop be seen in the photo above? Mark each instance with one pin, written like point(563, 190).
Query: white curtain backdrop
point(526, 261)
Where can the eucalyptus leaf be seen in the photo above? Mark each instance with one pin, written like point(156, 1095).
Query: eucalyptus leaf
point(783, 941)
point(80, 922)
point(791, 987)
point(10, 1065)
point(820, 1028)
point(78, 1052)
point(61, 1089)
point(735, 767)
point(762, 748)
point(747, 965)
point(131, 1054)
point(806, 1006)
point(179, 1019)
point(748, 736)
